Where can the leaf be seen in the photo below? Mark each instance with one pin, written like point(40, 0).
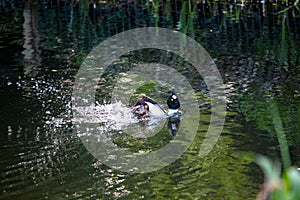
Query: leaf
point(271, 170)
point(284, 10)
point(294, 177)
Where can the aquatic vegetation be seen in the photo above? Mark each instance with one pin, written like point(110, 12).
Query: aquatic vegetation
point(279, 185)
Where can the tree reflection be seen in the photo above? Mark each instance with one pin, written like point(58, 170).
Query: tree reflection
point(32, 58)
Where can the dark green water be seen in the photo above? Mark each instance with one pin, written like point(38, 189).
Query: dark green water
point(41, 49)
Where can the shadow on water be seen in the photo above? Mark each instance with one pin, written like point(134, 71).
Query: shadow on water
point(42, 46)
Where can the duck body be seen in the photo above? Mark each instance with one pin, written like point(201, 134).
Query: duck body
point(141, 107)
point(141, 111)
point(173, 112)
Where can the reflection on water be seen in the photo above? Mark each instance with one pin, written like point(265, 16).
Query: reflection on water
point(41, 154)
point(32, 58)
point(173, 123)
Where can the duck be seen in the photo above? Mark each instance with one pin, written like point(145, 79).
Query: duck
point(173, 103)
point(141, 108)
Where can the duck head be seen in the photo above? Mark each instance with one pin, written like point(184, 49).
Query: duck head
point(173, 101)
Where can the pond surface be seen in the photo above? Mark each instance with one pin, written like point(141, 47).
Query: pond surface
point(42, 47)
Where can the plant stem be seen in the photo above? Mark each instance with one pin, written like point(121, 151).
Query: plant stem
point(284, 149)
